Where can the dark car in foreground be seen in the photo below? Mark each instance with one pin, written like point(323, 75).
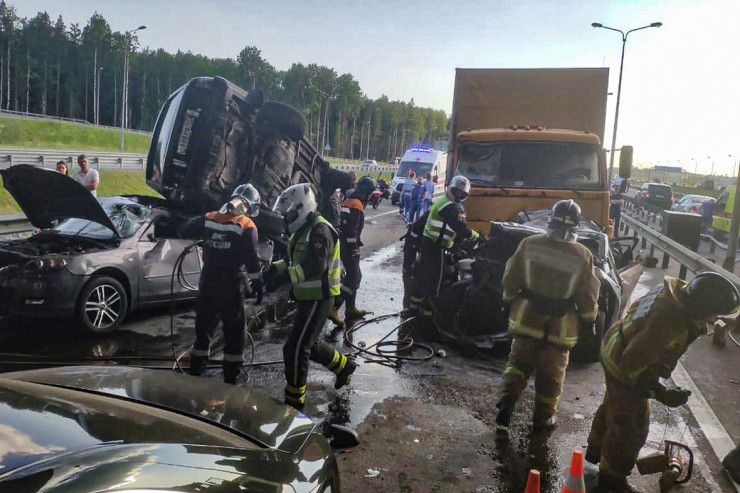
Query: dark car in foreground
point(94, 260)
point(106, 429)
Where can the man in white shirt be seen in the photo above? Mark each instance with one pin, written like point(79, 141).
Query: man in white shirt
point(88, 178)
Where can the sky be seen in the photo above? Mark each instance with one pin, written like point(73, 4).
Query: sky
point(680, 105)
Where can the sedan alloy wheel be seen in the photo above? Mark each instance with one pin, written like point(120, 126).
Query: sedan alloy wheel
point(103, 304)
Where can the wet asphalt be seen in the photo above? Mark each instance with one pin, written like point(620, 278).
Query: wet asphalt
point(460, 388)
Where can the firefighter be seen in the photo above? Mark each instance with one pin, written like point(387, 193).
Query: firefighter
point(313, 268)
point(639, 350)
point(550, 288)
point(230, 244)
point(445, 223)
point(411, 247)
point(353, 220)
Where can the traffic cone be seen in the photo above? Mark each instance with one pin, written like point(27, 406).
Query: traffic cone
point(533, 482)
point(574, 482)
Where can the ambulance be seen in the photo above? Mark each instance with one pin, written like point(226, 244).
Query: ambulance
point(421, 160)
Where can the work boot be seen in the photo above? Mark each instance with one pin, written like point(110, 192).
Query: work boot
point(344, 375)
point(198, 365)
point(354, 312)
point(592, 455)
point(505, 407)
point(334, 317)
point(547, 424)
point(231, 371)
point(613, 484)
point(298, 406)
point(731, 463)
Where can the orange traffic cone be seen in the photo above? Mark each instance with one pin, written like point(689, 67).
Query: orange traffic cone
point(533, 482)
point(574, 482)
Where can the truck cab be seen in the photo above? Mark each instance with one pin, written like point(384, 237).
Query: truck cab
point(531, 168)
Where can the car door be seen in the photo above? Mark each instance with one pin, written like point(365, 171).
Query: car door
point(159, 249)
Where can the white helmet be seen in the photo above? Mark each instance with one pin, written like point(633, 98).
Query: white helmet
point(460, 183)
point(295, 204)
point(244, 200)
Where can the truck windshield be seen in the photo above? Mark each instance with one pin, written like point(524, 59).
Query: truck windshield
point(530, 164)
point(420, 168)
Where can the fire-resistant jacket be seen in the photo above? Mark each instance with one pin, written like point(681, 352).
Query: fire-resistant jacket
point(353, 220)
point(549, 285)
point(229, 243)
point(313, 262)
point(447, 220)
point(649, 340)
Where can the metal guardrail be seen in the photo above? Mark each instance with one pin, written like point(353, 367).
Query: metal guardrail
point(21, 114)
point(48, 158)
point(14, 223)
point(365, 169)
point(687, 258)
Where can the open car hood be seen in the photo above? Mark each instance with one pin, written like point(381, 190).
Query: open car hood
point(46, 196)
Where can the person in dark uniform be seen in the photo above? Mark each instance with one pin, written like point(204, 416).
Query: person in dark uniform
point(230, 246)
point(411, 247)
point(615, 204)
point(353, 220)
point(313, 268)
point(446, 222)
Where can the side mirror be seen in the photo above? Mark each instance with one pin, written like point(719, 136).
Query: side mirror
point(435, 178)
point(151, 237)
point(625, 162)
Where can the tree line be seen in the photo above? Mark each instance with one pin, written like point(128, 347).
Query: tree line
point(75, 71)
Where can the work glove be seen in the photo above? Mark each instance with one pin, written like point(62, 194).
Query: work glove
point(674, 397)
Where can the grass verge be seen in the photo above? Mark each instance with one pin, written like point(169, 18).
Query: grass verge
point(34, 133)
point(112, 182)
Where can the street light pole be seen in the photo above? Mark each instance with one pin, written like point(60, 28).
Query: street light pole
point(619, 87)
point(734, 167)
point(712, 173)
point(124, 92)
point(97, 98)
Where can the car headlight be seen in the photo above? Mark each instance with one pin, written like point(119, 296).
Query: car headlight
point(47, 264)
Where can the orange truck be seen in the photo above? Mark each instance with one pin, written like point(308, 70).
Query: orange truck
point(527, 138)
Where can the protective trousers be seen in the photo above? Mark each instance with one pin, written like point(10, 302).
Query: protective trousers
point(620, 429)
point(414, 211)
point(351, 280)
point(303, 344)
point(224, 301)
point(427, 277)
point(548, 362)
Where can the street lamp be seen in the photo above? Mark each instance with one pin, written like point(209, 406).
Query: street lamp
point(712, 173)
point(124, 95)
point(97, 98)
point(619, 88)
point(369, 129)
point(734, 167)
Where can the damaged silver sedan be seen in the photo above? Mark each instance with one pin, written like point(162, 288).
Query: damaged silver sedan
point(94, 260)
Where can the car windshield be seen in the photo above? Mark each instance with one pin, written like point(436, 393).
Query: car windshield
point(417, 167)
point(127, 218)
point(530, 164)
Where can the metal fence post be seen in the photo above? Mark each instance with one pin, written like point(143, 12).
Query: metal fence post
point(666, 259)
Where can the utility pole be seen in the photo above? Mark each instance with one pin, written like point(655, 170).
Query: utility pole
point(124, 95)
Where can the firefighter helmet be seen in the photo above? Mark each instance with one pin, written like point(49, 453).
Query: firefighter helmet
point(562, 224)
point(459, 188)
point(710, 294)
point(245, 199)
point(295, 204)
point(365, 185)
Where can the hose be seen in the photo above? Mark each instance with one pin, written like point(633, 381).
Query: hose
point(732, 338)
point(382, 355)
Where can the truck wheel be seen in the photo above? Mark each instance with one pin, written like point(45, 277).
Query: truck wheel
point(102, 305)
point(283, 117)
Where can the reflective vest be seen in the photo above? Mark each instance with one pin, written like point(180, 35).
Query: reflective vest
point(436, 229)
point(324, 285)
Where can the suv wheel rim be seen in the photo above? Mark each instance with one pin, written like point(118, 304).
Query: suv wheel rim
point(103, 306)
